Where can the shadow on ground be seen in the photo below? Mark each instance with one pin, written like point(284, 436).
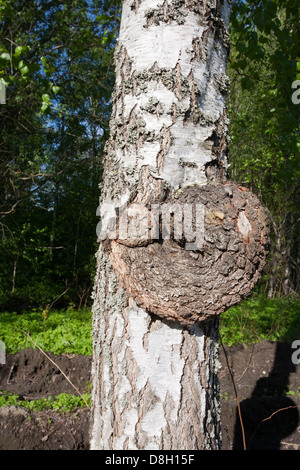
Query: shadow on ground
point(268, 388)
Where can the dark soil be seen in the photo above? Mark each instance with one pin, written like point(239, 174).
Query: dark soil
point(263, 376)
point(31, 375)
point(267, 384)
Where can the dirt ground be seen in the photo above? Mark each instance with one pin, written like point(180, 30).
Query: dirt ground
point(267, 385)
point(263, 377)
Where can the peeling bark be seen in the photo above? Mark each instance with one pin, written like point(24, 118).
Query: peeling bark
point(156, 303)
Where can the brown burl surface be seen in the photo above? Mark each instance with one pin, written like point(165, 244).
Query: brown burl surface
point(188, 286)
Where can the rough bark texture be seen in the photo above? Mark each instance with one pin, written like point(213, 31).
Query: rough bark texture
point(192, 285)
point(155, 302)
point(169, 123)
point(155, 382)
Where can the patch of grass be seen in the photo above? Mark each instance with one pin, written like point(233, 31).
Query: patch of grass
point(259, 318)
point(63, 403)
point(70, 331)
point(58, 332)
point(293, 393)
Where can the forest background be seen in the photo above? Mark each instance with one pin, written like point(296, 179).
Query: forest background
point(57, 72)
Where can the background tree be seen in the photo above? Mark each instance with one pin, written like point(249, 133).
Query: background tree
point(264, 152)
point(55, 59)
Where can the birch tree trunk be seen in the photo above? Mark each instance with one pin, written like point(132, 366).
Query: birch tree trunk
point(157, 300)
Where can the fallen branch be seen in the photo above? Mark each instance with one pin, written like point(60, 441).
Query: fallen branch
point(236, 397)
point(270, 417)
point(290, 444)
point(277, 411)
point(54, 363)
point(10, 373)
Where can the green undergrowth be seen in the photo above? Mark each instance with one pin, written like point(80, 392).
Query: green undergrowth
point(70, 331)
point(259, 318)
point(59, 332)
point(63, 403)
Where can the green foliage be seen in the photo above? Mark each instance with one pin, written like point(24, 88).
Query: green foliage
point(59, 332)
point(8, 399)
point(259, 318)
point(264, 152)
point(70, 331)
point(56, 61)
point(63, 403)
point(66, 403)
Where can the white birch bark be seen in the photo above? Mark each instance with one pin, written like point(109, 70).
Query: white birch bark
point(155, 382)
